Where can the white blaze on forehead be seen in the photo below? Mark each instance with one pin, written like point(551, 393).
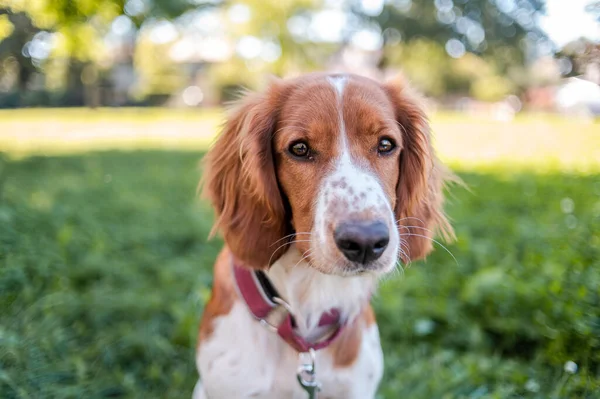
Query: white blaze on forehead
point(347, 172)
point(338, 82)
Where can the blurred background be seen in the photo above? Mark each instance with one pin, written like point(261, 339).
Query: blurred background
point(106, 107)
point(502, 55)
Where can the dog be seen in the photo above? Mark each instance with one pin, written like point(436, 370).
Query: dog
point(321, 184)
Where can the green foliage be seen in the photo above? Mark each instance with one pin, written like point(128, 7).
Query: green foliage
point(501, 29)
point(104, 270)
point(80, 37)
point(435, 20)
point(497, 32)
point(156, 73)
point(268, 22)
point(491, 88)
point(435, 73)
point(6, 27)
point(425, 62)
point(81, 27)
point(522, 294)
point(105, 267)
point(17, 31)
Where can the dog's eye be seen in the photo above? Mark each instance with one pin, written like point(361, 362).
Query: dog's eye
point(300, 149)
point(385, 146)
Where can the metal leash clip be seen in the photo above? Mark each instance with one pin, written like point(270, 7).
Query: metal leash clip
point(307, 375)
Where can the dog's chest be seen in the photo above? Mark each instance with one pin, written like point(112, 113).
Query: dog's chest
point(242, 359)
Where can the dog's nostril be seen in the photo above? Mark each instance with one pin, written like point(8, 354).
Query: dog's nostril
point(362, 242)
point(349, 245)
point(381, 244)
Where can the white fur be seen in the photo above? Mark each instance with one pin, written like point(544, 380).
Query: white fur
point(311, 293)
point(338, 82)
point(243, 359)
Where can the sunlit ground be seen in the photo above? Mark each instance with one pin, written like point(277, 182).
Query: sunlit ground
point(105, 266)
point(538, 142)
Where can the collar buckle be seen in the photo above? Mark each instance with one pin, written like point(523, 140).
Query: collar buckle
point(277, 315)
point(269, 309)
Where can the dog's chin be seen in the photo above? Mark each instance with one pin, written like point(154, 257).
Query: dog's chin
point(344, 268)
point(377, 269)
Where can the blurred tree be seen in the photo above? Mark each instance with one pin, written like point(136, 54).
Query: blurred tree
point(267, 21)
point(594, 8)
point(265, 45)
point(435, 41)
point(158, 73)
point(502, 33)
point(425, 63)
point(158, 76)
point(435, 73)
point(80, 26)
point(18, 31)
point(581, 57)
point(480, 26)
point(473, 74)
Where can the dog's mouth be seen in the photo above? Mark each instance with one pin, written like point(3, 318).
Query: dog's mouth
point(378, 268)
point(331, 261)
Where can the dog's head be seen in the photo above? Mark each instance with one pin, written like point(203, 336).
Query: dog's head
point(339, 165)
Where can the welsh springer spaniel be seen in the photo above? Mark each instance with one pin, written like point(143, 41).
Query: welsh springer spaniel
point(321, 184)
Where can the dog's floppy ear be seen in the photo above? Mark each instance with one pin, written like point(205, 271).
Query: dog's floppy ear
point(419, 192)
point(240, 180)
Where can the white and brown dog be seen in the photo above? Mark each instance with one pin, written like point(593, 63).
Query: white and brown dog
point(320, 185)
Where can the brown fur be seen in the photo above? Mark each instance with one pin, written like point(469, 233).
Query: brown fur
point(240, 181)
point(222, 298)
point(419, 198)
point(346, 347)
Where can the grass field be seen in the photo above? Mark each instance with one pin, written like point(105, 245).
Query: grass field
point(534, 142)
point(105, 266)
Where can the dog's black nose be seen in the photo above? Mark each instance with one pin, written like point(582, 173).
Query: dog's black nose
point(362, 242)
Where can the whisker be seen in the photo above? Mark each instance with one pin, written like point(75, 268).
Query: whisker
point(399, 267)
point(415, 227)
point(288, 236)
point(396, 271)
point(435, 241)
point(404, 245)
point(305, 255)
point(283, 245)
point(410, 217)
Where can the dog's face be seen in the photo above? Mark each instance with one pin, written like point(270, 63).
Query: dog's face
point(339, 165)
point(337, 150)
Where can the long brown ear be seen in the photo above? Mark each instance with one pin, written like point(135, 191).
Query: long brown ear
point(240, 181)
point(419, 202)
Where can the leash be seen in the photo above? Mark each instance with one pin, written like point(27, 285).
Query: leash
point(273, 312)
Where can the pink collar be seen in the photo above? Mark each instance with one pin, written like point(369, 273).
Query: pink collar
point(264, 303)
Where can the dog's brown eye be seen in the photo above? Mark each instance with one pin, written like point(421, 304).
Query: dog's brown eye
point(385, 146)
point(300, 149)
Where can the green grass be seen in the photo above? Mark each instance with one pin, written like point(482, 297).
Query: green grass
point(26, 132)
point(105, 268)
point(532, 142)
